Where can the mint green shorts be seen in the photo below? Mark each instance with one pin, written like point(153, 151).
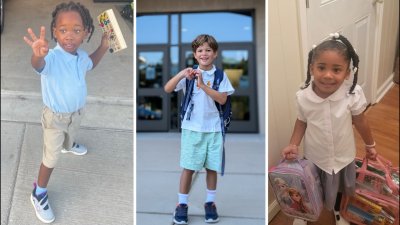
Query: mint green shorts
point(199, 149)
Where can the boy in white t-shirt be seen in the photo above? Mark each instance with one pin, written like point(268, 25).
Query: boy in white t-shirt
point(201, 140)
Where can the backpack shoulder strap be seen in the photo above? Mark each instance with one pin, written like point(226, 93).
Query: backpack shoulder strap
point(219, 76)
point(187, 96)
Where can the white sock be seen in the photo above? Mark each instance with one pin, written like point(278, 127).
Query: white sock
point(183, 198)
point(211, 195)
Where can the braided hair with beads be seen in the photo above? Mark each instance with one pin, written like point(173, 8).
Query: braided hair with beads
point(343, 46)
point(77, 7)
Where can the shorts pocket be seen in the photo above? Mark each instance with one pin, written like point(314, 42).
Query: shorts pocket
point(47, 118)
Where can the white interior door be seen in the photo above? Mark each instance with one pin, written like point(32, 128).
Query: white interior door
point(355, 19)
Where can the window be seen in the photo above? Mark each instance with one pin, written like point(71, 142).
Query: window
point(226, 26)
point(153, 29)
point(164, 49)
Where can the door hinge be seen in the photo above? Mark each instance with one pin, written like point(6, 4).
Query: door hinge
point(307, 4)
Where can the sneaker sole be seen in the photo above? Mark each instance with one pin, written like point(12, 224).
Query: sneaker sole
point(211, 221)
point(37, 214)
point(176, 222)
point(179, 223)
point(72, 152)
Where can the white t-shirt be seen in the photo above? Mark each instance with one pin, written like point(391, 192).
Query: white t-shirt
point(329, 138)
point(204, 116)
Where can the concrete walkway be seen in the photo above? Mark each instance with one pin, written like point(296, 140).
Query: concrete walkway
point(240, 193)
point(92, 189)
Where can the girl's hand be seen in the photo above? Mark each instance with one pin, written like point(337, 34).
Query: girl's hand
point(290, 152)
point(371, 153)
point(40, 46)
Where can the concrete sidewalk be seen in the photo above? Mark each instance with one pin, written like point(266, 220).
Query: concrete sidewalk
point(93, 189)
point(240, 193)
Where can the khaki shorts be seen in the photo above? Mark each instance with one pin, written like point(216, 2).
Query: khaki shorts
point(59, 130)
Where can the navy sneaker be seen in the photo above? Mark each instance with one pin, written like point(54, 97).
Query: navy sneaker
point(181, 214)
point(211, 212)
point(42, 207)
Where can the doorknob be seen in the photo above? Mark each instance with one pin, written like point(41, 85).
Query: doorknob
point(376, 1)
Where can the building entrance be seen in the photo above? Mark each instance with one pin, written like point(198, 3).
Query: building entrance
point(163, 49)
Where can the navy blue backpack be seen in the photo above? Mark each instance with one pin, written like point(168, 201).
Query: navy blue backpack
point(225, 111)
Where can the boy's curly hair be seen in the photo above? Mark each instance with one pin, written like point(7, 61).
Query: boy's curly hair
point(77, 7)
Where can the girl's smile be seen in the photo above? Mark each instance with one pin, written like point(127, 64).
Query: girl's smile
point(330, 70)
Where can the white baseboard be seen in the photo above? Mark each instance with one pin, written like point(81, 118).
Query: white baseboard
point(273, 209)
point(384, 88)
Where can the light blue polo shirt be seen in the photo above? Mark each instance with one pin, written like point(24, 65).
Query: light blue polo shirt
point(63, 80)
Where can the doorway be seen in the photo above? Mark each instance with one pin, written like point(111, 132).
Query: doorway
point(165, 50)
point(323, 17)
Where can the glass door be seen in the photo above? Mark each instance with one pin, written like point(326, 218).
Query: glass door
point(164, 49)
point(151, 98)
point(237, 62)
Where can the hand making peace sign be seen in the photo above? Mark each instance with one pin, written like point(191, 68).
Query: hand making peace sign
point(40, 46)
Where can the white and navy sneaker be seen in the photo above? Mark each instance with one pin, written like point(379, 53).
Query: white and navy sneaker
point(181, 214)
point(42, 206)
point(339, 219)
point(76, 149)
point(211, 215)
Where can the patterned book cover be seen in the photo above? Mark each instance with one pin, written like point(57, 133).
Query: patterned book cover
point(109, 23)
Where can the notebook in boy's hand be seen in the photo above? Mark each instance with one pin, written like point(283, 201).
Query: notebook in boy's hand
point(108, 23)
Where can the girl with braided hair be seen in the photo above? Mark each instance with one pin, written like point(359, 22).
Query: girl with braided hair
point(63, 71)
point(327, 107)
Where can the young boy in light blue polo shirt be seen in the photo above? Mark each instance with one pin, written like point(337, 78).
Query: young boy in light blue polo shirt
point(201, 140)
point(62, 70)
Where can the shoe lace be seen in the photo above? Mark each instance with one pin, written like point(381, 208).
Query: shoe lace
point(211, 209)
point(181, 211)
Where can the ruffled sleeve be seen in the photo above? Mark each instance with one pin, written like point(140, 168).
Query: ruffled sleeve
point(358, 102)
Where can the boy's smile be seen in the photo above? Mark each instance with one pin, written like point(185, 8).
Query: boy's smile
point(69, 31)
point(205, 56)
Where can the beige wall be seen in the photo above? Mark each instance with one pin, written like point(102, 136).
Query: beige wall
point(388, 44)
point(151, 6)
point(284, 76)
